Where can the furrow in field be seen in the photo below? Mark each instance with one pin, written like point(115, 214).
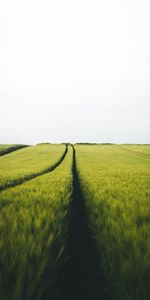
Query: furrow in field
point(115, 185)
point(10, 149)
point(33, 227)
point(84, 279)
point(31, 176)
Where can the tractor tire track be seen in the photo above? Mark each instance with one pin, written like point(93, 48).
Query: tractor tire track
point(12, 149)
point(20, 181)
point(81, 277)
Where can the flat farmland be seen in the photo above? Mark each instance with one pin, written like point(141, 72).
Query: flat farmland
point(115, 181)
point(28, 163)
point(5, 149)
point(75, 222)
point(33, 220)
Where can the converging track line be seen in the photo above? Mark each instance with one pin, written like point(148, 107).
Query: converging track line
point(82, 276)
point(20, 181)
point(12, 149)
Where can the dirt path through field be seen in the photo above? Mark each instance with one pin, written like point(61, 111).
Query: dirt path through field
point(83, 275)
point(29, 177)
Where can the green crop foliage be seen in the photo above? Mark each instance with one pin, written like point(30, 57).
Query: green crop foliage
point(33, 226)
point(7, 148)
point(35, 216)
point(28, 161)
point(115, 180)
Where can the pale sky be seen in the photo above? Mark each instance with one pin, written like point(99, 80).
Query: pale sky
point(75, 71)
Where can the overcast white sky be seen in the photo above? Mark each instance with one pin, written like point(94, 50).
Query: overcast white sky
point(75, 71)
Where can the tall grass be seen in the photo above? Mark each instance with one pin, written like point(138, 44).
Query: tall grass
point(33, 220)
point(116, 186)
point(28, 161)
point(7, 148)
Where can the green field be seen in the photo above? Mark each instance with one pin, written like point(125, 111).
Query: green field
point(116, 184)
point(32, 226)
point(5, 149)
point(81, 228)
point(27, 162)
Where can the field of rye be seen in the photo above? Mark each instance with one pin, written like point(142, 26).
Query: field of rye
point(33, 227)
point(27, 163)
point(115, 181)
point(39, 186)
point(4, 149)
